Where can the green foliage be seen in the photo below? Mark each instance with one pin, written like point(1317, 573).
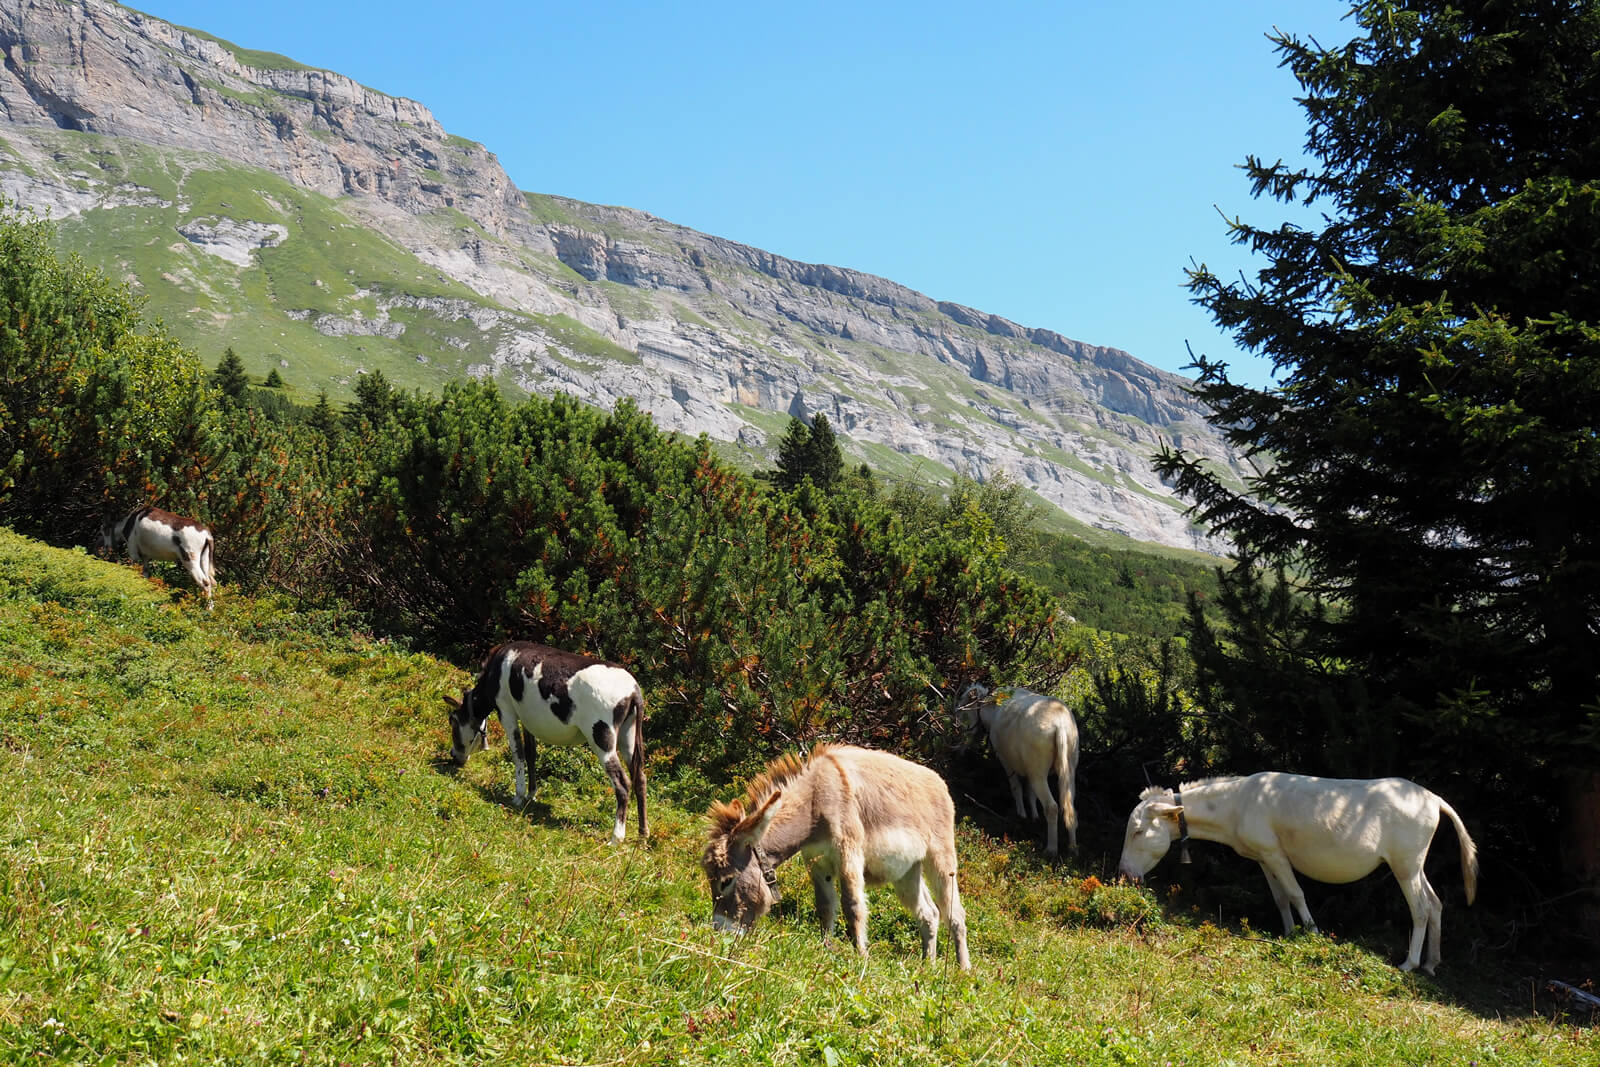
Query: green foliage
point(322, 419)
point(998, 511)
point(95, 408)
point(1121, 591)
point(1434, 461)
point(273, 380)
point(782, 619)
point(1140, 723)
point(808, 452)
point(763, 621)
point(375, 401)
point(230, 377)
point(99, 412)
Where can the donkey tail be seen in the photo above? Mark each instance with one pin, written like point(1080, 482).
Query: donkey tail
point(1066, 768)
point(1469, 851)
point(636, 761)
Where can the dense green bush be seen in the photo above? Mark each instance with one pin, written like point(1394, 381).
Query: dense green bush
point(759, 617)
point(755, 614)
point(101, 411)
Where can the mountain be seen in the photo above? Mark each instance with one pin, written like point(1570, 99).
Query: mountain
point(325, 228)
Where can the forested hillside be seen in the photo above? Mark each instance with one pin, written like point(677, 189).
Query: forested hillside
point(844, 606)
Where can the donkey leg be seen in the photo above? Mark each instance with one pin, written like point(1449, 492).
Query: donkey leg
point(853, 891)
point(633, 731)
point(1416, 890)
point(1052, 813)
point(825, 892)
point(1281, 870)
point(916, 899)
point(941, 871)
point(619, 786)
point(1281, 899)
point(530, 757)
point(1017, 795)
point(1435, 926)
point(519, 767)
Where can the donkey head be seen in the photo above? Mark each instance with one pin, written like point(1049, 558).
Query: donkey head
point(109, 536)
point(743, 879)
point(970, 700)
point(469, 727)
point(1152, 826)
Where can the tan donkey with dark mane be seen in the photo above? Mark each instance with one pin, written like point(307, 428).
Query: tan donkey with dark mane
point(861, 817)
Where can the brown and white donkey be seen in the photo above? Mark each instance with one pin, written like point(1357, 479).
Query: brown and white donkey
point(148, 534)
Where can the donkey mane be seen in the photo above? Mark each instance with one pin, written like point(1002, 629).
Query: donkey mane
point(724, 816)
point(1162, 790)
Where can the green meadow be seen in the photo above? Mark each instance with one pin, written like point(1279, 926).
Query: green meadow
point(234, 837)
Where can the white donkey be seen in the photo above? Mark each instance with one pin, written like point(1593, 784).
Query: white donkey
point(1330, 829)
point(1032, 735)
point(861, 817)
point(560, 698)
point(148, 534)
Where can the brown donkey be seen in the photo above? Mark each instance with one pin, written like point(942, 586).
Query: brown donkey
point(861, 818)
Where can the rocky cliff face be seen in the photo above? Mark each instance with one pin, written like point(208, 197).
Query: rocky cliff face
point(708, 335)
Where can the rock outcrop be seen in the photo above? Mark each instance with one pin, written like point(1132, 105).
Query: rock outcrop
point(708, 335)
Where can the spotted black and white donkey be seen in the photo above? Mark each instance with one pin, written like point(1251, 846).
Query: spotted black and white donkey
point(148, 534)
point(559, 698)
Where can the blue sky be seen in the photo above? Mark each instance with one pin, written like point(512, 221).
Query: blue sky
point(1059, 164)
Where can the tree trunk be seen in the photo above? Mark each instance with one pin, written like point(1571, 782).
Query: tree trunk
point(1580, 844)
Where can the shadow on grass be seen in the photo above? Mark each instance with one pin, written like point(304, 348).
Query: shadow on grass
point(1482, 970)
point(503, 793)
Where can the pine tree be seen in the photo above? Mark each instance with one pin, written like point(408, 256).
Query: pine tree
point(274, 379)
point(230, 376)
point(375, 400)
point(1431, 448)
point(808, 452)
point(824, 462)
point(794, 451)
point(322, 418)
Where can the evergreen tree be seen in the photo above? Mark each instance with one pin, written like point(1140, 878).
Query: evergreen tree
point(322, 418)
point(230, 376)
point(794, 451)
point(1431, 448)
point(808, 452)
point(274, 379)
point(824, 462)
point(375, 400)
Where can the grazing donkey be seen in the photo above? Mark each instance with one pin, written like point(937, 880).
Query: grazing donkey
point(1032, 735)
point(1330, 829)
point(148, 534)
point(862, 818)
point(560, 698)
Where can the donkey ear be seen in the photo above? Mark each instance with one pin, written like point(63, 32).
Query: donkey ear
point(451, 702)
point(753, 827)
point(1163, 810)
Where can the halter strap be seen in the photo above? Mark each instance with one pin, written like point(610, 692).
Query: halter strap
point(769, 872)
point(1183, 828)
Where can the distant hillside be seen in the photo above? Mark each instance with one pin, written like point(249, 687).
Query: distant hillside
point(324, 228)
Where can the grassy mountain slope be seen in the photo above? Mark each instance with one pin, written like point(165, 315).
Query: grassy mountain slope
point(232, 837)
point(324, 262)
point(331, 296)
